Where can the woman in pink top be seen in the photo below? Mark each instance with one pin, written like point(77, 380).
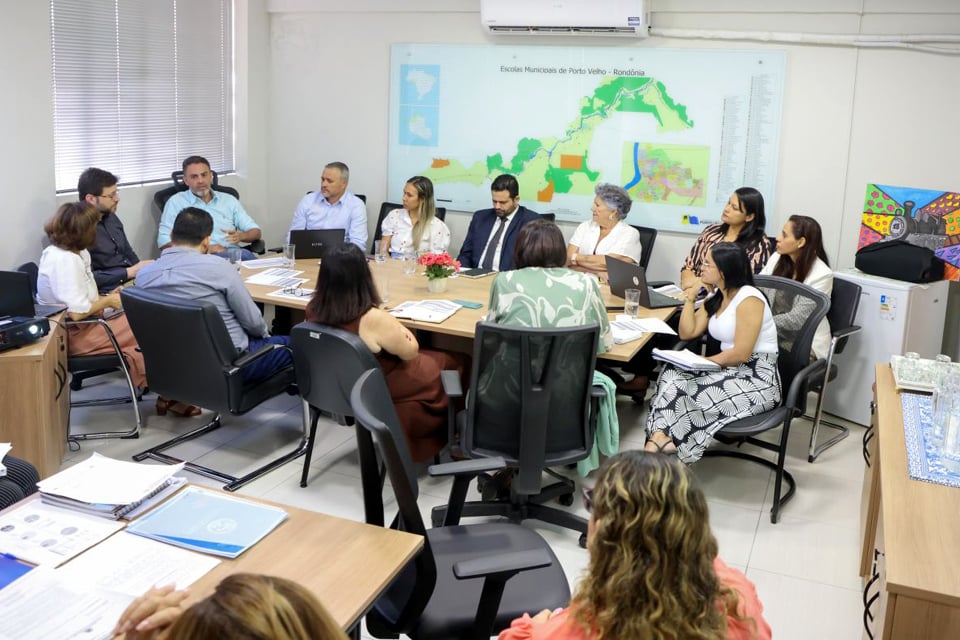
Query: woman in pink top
point(654, 571)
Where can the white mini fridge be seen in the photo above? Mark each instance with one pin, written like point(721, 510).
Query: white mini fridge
point(896, 317)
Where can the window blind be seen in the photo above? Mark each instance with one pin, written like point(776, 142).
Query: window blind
point(139, 85)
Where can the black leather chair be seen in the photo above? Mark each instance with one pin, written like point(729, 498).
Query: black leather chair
point(844, 302)
point(160, 199)
point(468, 581)
point(798, 374)
point(85, 367)
point(189, 356)
point(533, 403)
point(648, 236)
point(386, 208)
point(328, 362)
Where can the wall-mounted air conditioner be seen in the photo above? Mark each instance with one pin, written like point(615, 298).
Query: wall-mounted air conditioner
point(564, 17)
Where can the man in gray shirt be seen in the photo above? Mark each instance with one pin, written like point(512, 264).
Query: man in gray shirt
point(186, 270)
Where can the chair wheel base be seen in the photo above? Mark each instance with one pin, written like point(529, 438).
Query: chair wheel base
point(76, 384)
point(583, 541)
point(134, 436)
point(566, 499)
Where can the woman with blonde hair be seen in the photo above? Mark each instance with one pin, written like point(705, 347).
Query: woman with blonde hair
point(416, 226)
point(654, 573)
point(244, 606)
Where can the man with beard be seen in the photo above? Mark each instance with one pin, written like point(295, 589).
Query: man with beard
point(231, 224)
point(112, 259)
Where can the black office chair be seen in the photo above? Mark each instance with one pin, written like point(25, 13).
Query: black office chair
point(648, 236)
point(190, 357)
point(797, 376)
point(552, 217)
point(160, 199)
point(533, 403)
point(328, 361)
point(467, 581)
point(386, 208)
point(844, 302)
point(85, 367)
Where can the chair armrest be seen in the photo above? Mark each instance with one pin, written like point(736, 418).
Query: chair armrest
point(597, 392)
point(452, 385)
point(807, 377)
point(250, 356)
point(257, 246)
point(849, 331)
point(275, 250)
point(502, 564)
point(472, 467)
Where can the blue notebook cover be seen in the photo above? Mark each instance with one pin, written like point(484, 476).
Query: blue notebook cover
point(209, 522)
point(11, 569)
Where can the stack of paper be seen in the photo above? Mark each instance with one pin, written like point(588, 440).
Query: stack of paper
point(277, 277)
point(210, 522)
point(426, 310)
point(49, 536)
point(686, 360)
point(110, 488)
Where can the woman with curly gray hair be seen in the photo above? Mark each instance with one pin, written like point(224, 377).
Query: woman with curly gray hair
point(606, 234)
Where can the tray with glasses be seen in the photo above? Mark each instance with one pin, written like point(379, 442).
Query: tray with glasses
point(920, 374)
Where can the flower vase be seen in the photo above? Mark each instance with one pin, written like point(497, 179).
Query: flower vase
point(437, 285)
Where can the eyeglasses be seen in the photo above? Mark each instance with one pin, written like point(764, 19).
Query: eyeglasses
point(588, 499)
point(111, 196)
point(297, 291)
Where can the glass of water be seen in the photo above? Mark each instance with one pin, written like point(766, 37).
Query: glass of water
point(383, 250)
point(409, 261)
point(631, 302)
point(289, 255)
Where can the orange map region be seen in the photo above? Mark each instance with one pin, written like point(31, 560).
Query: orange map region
point(546, 194)
point(879, 223)
point(571, 162)
point(439, 163)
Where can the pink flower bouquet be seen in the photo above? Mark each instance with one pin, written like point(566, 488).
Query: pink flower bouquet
point(438, 265)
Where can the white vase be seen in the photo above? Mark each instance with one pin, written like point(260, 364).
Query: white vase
point(437, 285)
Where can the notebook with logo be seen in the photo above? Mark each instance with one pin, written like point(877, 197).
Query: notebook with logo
point(313, 243)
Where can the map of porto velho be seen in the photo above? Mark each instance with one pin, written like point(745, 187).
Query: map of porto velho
point(461, 119)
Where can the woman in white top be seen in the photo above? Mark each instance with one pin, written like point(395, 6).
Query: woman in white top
point(800, 256)
point(415, 226)
point(688, 407)
point(606, 234)
point(65, 278)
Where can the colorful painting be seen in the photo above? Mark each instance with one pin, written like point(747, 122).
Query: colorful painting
point(920, 216)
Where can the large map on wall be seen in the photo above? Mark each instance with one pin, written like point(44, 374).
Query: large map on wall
point(680, 129)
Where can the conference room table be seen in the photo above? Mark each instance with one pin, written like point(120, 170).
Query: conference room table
point(462, 324)
point(346, 564)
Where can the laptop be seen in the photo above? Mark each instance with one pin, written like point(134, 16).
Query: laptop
point(625, 275)
point(313, 243)
point(16, 297)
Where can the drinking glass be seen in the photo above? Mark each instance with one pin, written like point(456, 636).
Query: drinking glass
point(631, 302)
point(289, 255)
point(383, 250)
point(382, 280)
point(409, 262)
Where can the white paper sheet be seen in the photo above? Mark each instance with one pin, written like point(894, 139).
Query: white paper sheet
point(46, 535)
point(277, 277)
point(646, 325)
point(103, 480)
point(264, 263)
point(132, 564)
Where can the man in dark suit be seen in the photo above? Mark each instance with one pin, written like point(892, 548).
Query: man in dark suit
point(493, 232)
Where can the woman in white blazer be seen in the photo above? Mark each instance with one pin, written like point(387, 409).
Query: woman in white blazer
point(800, 256)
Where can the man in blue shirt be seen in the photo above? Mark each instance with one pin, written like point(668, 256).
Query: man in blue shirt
point(492, 233)
point(231, 224)
point(333, 207)
point(185, 270)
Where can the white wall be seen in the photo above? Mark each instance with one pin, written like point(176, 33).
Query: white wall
point(851, 116)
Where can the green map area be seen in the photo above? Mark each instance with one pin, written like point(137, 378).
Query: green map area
point(547, 166)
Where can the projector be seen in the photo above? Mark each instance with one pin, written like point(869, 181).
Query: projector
point(19, 330)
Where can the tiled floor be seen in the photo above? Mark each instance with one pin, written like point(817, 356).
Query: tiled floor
point(804, 567)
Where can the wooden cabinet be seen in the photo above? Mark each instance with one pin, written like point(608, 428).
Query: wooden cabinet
point(35, 401)
point(910, 559)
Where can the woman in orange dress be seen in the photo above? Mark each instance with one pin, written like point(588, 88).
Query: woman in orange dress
point(346, 297)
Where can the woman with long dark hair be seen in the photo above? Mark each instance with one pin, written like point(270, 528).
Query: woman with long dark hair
point(346, 297)
point(800, 256)
point(742, 221)
point(688, 407)
point(654, 572)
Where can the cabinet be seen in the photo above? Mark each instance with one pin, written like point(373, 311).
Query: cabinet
point(35, 401)
point(911, 536)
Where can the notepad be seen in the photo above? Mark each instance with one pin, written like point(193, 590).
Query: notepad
point(209, 522)
point(426, 310)
point(686, 360)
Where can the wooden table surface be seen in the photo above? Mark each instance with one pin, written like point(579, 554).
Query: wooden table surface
point(462, 324)
point(921, 520)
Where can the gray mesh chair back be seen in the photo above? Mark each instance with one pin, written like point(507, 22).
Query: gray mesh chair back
point(468, 581)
